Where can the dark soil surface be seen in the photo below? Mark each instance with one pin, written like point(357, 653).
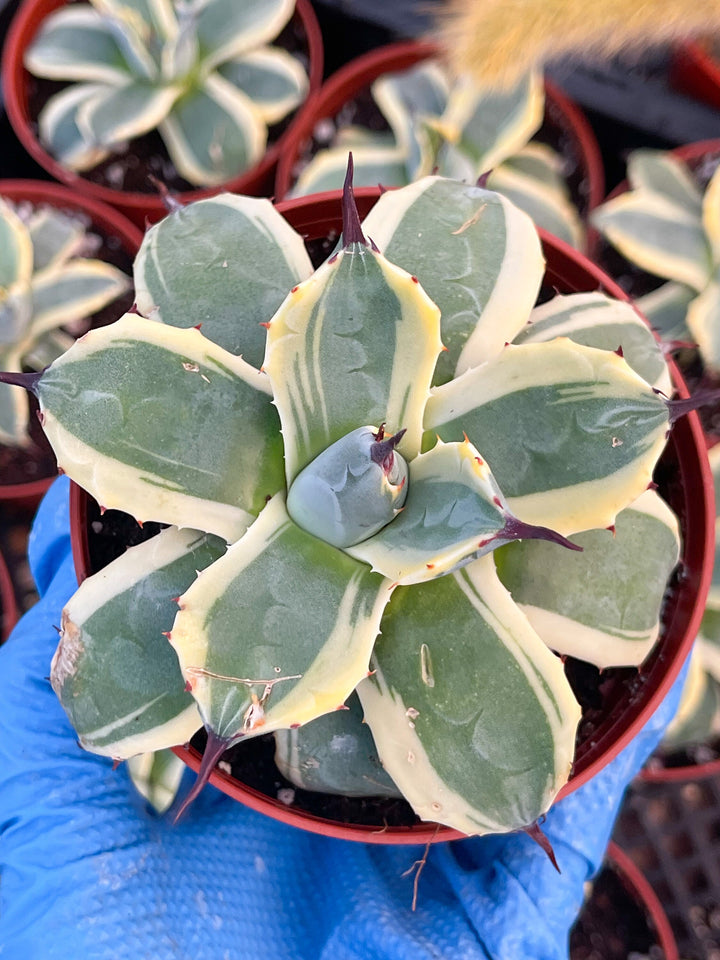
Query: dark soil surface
point(613, 925)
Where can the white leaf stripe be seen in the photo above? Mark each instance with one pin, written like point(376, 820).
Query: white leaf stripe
point(460, 794)
point(334, 362)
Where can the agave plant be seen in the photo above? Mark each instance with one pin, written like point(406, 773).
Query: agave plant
point(345, 489)
point(458, 130)
point(46, 283)
point(200, 72)
point(698, 718)
point(666, 225)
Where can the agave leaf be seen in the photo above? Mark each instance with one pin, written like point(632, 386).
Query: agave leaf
point(666, 310)
point(142, 15)
point(467, 246)
point(658, 172)
point(114, 672)
point(599, 321)
point(72, 291)
point(334, 754)
point(657, 235)
point(604, 605)
point(59, 131)
point(407, 100)
point(228, 28)
point(273, 79)
point(541, 162)
point(214, 133)
point(453, 512)
point(489, 126)
point(703, 320)
point(133, 34)
point(132, 410)
point(373, 164)
point(711, 215)
point(180, 52)
point(55, 237)
point(698, 715)
point(277, 632)
point(354, 344)
point(157, 776)
point(122, 113)
point(14, 406)
point(234, 274)
point(47, 350)
point(570, 433)
point(549, 206)
point(354, 135)
point(16, 254)
point(15, 316)
point(76, 43)
point(472, 715)
point(713, 600)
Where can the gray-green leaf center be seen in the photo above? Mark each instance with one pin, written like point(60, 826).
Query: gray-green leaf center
point(354, 488)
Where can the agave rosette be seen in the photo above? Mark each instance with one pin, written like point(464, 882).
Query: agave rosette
point(385, 407)
point(668, 226)
point(202, 73)
point(459, 130)
point(47, 282)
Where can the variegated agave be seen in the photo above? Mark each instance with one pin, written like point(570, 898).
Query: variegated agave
point(666, 225)
point(47, 282)
point(457, 130)
point(347, 422)
point(200, 72)
point(698, 718)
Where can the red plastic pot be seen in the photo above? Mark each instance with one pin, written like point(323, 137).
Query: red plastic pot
point(355, 76)
point(695, 71)
point(642, 894)
point(8, 606)
point(319, 216)
point(139, 207)
point(106, 222)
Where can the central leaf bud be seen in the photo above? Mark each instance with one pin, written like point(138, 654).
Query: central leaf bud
point(352, 489)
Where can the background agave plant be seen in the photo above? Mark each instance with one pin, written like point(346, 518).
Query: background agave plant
point(201, 73)
point(47, 281)
point(698, 717)
point(459, 130)
point(358, 404)
point(667, 225)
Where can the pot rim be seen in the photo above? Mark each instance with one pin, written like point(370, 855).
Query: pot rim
point(363, 70)
point(321, 212)
point(695, 71)
point(9, 613)
point(106, 220)
point(631, 874)
point(136, 205)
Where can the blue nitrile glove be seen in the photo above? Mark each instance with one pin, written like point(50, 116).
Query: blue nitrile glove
point(88, 874)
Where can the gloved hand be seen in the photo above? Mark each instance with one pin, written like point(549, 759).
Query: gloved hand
point(89, 874)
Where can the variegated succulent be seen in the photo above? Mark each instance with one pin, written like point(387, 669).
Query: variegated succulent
point(201, 72)
point(360, 492)
point(47, 282)
point(666, 225)
point(698, 718)
point(457, 130)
